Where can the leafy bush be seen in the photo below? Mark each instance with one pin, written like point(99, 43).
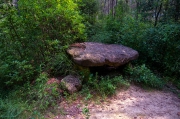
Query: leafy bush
point(163, 48)
point(159, 46)
point(33, 99)
point(34, 35)
point(61, 64)
point(14, 70)
point(108, 86)
point(10, 109)
point(40, 94)
point(143, 75)
point(89, 9)
point(105, 86)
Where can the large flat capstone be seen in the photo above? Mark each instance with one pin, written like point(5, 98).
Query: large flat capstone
point(91, 54)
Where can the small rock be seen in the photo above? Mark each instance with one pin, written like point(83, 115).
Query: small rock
point(71, 83)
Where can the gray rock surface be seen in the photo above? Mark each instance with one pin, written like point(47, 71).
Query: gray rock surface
point(91, 54)
point(71, 83)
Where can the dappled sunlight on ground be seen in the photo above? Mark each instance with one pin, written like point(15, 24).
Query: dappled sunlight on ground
point(133, 103)
point(136, 103)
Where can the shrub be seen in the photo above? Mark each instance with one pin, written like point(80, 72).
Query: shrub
point(108, 86)
point(10, 109)
point(159, 47)
point(33, 99)
point(89, 9)
point(142, 75)
point(163, 48)
point(40, 94)
point(34, 35)
point(61, 64)
point(105, 86)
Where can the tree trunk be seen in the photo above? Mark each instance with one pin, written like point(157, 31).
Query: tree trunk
point(177, 12)
point(157, 14)
point(15, 3)
point(112, 7)
point(137, 8)
point(109, 7)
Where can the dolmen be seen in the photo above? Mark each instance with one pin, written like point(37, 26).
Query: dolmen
point(90, 54)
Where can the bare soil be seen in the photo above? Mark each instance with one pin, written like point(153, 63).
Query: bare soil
point(133, 103)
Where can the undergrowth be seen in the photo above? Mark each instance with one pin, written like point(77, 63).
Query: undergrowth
point(41, 97)
point(10, 109)
point(103, 86)
point(144, 76)
point(34, 99)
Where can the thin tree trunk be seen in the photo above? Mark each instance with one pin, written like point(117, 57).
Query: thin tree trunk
point(109, 6)
point(112, 7)
point(157, 15)
point(177, 12)
point(137, 9)
point(15, 3)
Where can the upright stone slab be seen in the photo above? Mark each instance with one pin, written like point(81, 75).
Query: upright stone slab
point(91, 54)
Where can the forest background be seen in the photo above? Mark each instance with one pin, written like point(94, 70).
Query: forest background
point(35, 34)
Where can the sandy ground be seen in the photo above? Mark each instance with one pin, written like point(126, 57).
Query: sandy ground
point(133, 103)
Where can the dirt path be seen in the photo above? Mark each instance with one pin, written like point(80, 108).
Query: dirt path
point(133, 103)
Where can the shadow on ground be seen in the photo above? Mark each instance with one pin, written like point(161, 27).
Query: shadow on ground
point(133, 103)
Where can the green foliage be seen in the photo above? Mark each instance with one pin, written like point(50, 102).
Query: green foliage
point(126, 31)
point(13, 71)
point(10, 109)
point(60, 65)
point(104, 86)
point(143, 75)
point(158, 46)
point(104, 31)
point(178, 84)
point(34, 39)
point(35, 35)
point(33, 99)
point(121, 10)
point(85, 111)
point(163, 47)
point(40, 94)
point(107, 28)
point(89, 9)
